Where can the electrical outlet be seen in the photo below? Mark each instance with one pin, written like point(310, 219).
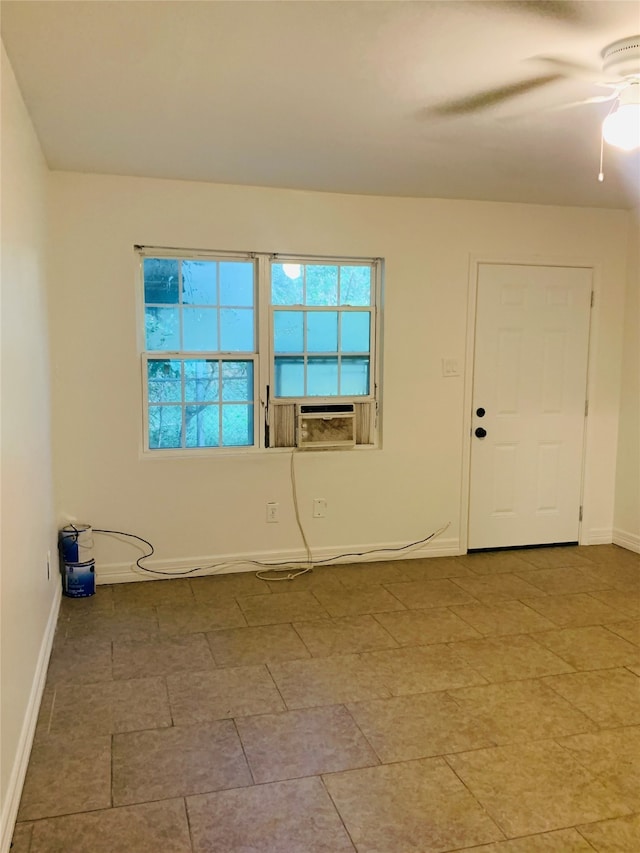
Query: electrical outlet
point(319, 508)
point(273, 512)
point(49, 565)
point(450, 367)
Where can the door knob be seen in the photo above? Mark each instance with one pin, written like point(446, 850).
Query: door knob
point(480, 432)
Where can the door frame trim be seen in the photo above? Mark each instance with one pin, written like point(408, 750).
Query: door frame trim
point(470, 339)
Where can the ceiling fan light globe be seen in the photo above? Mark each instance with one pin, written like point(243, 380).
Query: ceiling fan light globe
point(622, 128)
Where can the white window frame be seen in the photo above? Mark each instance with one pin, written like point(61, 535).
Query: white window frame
point(263, 356)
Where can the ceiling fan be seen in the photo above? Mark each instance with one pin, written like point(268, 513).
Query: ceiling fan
point(621, 69)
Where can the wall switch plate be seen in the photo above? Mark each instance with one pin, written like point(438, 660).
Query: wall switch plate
point(319, 508)
point(273, 512)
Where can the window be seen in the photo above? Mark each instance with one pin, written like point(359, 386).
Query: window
point(216, 375)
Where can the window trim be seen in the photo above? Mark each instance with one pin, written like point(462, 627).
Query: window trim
point(263, 356)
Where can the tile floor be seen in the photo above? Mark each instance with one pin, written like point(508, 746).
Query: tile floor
point(487, 702)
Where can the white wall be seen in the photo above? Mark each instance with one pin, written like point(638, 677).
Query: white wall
point(627, 506)
point(29, 600)
point(204, 508)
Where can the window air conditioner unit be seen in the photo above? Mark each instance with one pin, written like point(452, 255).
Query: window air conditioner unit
point(325, 426)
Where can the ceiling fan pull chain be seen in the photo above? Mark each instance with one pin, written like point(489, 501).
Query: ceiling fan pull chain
point(601, 172)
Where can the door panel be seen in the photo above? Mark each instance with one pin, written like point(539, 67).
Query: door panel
point(530, 374)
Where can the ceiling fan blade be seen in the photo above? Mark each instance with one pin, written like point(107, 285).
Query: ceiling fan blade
point(490, 97)
point(555, 10)
point(597, 99)
point(570, 68)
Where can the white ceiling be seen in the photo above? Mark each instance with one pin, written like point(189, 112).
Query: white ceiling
point(336, 96)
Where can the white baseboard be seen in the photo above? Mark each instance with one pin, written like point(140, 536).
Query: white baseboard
point(626, 540)
point(599, 536)
point(219, 564)
point(23, 752)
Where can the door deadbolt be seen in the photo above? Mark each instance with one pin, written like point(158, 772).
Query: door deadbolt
point(480, 412)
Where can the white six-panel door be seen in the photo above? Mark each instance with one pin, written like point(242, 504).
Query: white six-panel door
point(530, 377)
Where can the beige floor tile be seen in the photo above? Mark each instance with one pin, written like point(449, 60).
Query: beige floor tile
point(321, 577)
point(355, 602)
point(350, 635)
point(83, 710)
point(303, 743)
point(493, 588)
point(147, 828)
point(559, 841)
point(436, 593)
point(200, 618)
point(629, 630)
point(285, 607)
point(510, 658)
point(416, 806)
point(549, 558)
point(66, 776)
point(610, 697)
point(326, 681)
point(508, 617)
point(421, 669)
point(160, 656)
point(423, 627)
point(564, 580)
point(612, 756)
point(590, 648)
point(176, 762)
point(408, 727)
point(281, 817)
point(152, 593)
point(138, 623)
point(622, 577)
point(219, 587)
point(537, 787)
point(80, 661)
point(358, 575)
point(247, 646)
point(626, 602)
point(619, 835)
point(433, 568)
point(634, 669)
point(521, 711)
point(196, 697)
point(612, 554)
point(496, 562)
point(21, 841)
point(573, 610)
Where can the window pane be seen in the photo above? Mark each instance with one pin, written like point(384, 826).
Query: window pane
point(199, 329)
point(199, 282)
point(161, 280)
point(202, 426)
point(321, 285)
point(322, 331)
point(287, 331)
point(163, 381)
point(355, 331)
point(201, 381)
point(354, 376)
point(286, 284)
point(322, 377)
point(237, 425)
point(355, 285)
point(162, 329)
point(289, 377)
point(236, 283)
point(236, 329)
point(237, 381)
point(165, 426)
